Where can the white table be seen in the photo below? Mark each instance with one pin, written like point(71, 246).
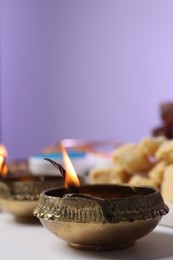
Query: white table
point(21, 241)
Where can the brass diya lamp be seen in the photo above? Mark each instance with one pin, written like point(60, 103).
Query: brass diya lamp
point(19, 193)
point(99, 217)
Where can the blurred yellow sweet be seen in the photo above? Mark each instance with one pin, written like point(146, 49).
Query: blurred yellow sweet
point(149, 145)
point(137, 180)
point(165, 152)
point(147, 163)
point(111, 175)
point(156, 173)
point(167, 184)
point(131, 159)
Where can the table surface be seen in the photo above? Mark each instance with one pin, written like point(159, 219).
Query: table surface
point(33, 241)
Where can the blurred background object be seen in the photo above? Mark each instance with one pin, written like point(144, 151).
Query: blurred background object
point(84, 154)
point(166, 114)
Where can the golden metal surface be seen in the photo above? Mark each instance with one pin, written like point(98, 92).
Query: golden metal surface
point(20, 209)
point(101, 217)
point(19, 195)
point(98, 236)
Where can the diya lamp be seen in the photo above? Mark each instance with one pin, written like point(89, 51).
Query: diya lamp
point(19, 193)
point(98, 217)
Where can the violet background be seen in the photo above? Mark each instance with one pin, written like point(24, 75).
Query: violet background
point(94, 69)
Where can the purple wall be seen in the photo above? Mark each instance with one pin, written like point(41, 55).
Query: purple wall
point(94, 69)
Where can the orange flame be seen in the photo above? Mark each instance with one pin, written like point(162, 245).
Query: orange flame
point(3, 165)
point(71, 178)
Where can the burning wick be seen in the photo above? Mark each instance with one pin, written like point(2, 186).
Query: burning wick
point(3, 165)
point(71, 186)
point(70, 178)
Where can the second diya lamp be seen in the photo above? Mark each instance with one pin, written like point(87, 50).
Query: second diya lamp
point(19, 195)
point(99, 217)
point(20, 191)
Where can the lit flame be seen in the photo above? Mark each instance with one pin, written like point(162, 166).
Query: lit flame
point(71, 178)
point(3, 165)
